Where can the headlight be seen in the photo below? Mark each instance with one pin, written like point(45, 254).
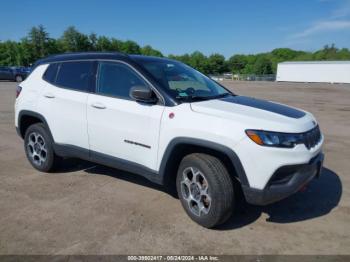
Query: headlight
point(274, 139)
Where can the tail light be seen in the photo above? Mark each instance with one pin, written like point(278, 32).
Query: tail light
point(18, 91)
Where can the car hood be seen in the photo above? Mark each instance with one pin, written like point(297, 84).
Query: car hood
point(257, 114)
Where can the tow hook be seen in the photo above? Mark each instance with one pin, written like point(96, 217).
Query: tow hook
point(303, 189)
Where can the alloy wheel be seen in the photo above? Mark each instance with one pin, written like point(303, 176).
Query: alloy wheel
point(36, 148)
point(195, 191)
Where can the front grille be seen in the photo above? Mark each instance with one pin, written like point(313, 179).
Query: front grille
point(311, 138)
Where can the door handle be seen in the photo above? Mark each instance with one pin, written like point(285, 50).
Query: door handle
point(98, 106)
point(49, 95)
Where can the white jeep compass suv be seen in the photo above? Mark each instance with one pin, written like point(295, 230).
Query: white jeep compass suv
point(164, 120)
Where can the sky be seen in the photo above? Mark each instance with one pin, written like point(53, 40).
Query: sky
point(183, 26)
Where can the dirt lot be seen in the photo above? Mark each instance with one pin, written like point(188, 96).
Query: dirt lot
point(88, 209)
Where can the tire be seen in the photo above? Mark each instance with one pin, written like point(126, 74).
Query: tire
point(205, 189)
point(18, 78)
point(38, 146)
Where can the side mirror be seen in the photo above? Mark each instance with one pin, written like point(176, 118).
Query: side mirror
point(143, 94)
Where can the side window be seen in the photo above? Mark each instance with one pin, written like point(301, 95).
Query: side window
point(116, 79)
point(74, 75)
point(50, 73)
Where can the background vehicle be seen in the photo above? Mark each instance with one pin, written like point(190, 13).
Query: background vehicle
point(23, 69)
point(169, 123)
point(17, 74)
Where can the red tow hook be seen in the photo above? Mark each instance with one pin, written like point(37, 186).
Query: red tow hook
point(303, 189)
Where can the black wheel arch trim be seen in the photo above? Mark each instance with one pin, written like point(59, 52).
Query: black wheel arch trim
point(24, 113)
point(233, 157)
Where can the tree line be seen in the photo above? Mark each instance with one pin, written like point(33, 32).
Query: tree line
point(38, 44)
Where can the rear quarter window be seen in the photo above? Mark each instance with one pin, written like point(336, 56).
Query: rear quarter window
point(50, 73)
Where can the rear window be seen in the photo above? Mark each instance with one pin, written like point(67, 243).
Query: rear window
point(74, 75)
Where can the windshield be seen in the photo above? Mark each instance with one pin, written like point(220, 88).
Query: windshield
point(182, 81)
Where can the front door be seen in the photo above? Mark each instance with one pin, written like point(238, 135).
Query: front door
point(118, 126)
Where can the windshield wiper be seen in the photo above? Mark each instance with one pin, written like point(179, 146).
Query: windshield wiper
point(201, 98)
point(192, 98)
point(219, 96)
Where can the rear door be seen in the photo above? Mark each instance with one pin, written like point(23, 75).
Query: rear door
point(118, 126)
point(64, 99)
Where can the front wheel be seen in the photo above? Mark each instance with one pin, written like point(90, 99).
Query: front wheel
point(205, 189)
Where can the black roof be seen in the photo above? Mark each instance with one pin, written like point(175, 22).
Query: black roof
point(96, 55)
point(150, 58)
point(81, 56)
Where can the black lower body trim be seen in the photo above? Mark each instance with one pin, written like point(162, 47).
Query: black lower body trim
point(302, 174)
point(126, 166)
point(72, 151)
point(114, 162)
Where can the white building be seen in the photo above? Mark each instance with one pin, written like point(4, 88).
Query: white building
point(317, 71)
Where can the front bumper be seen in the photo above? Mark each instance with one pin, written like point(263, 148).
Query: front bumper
point(286, 181)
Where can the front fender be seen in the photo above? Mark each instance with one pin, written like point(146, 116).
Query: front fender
point(187, 141)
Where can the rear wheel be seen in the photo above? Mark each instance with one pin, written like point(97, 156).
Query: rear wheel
point(19, 78)
point(38, 146)
point(205, 189)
